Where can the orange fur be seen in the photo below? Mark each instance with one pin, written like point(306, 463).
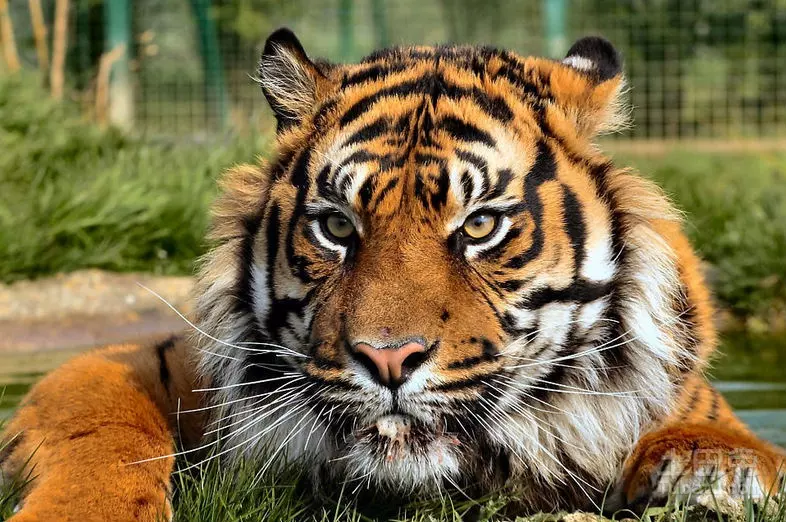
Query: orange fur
point(79, 431)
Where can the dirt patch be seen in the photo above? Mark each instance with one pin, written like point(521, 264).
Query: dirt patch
point(90, 293)
point(89, 308)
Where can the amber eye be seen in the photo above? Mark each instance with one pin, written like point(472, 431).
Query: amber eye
point(338, 226)
point(479, 226)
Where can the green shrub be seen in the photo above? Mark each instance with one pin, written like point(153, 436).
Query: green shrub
point(75, 196)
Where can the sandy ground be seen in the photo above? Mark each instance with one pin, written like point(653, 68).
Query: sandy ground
point(88, 308)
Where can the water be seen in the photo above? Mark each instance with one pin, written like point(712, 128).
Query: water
point(750, 373)
point(19, 371)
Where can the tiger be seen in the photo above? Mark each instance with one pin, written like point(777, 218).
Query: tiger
point(435, 281)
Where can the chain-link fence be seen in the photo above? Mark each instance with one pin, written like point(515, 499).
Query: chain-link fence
point(696, 68)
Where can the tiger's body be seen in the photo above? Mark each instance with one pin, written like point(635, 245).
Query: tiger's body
point(436, 281)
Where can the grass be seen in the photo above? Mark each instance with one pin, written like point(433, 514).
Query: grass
point(74, 196)
point(212, 496)
point(208, 495)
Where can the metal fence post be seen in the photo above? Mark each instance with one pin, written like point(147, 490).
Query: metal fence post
point(378, 15)
point(215, 86)
point(345, 29)
point(117, 15)
point(554, 18)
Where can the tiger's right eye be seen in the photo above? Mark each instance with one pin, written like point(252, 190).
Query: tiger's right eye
point(480, 226)
point(337, 227)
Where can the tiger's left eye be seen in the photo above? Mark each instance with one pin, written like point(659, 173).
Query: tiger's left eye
point(479, 226)
point(338, 227)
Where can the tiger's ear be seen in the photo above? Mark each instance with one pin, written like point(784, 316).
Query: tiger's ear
point(596, 57)
point(289, 79)
point(588, 84)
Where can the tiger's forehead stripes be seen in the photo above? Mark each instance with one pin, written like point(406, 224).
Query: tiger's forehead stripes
point(406, 85)
point(401, 138)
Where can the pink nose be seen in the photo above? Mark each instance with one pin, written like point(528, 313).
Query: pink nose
point(391, 365)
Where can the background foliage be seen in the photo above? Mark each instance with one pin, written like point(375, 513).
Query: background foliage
point(697, 68)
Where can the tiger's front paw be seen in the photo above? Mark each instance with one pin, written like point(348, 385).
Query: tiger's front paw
point(700, 464)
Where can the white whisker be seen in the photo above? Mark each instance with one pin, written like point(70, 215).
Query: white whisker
point(250, 383)
point(219, 341)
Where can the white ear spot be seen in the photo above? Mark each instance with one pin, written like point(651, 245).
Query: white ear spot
point(580, 63)
point(595, 56)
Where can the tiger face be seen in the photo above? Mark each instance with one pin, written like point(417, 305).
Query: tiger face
point(438, 280)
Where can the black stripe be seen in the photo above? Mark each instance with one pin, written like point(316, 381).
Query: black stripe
point(579, 291)
point(440, 197)
point(416, 86)
point(368, 132)
point(280, 167)
point(300, 179)
point(694, 399)
point(385, 190)
point(478, 162)
point(402, 126)
point(469, 362)
point(467, 185)
point(359, 156)
point(325, 189)
point(715, 407)
point(372, 74)
point(527, 89)
point(616, 357)
point(272, 241)
point(280, 310)
point(420, 190)
point(429, 158)
point(504, 177)
point(494, 106)
point(574, 225)
point(163, 369)
point(497, 250)
point(243, 289)
point(489, 354)
point(321, 116)
point(299, 175)
point(326, 253)
point(464, 131)
point(367, 190)
point(543, 170)
point(508, 324)
point(511, 285)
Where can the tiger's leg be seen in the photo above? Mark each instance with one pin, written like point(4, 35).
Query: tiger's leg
point(81, 429)
point(702, 454)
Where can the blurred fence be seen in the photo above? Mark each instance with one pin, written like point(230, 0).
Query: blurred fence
point(696, 68)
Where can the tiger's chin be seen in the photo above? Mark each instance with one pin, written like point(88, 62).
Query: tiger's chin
point(401, 455)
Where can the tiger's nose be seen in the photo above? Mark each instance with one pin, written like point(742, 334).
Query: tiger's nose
point(392, 364)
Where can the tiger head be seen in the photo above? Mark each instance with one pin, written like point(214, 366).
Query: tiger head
point(438, 279)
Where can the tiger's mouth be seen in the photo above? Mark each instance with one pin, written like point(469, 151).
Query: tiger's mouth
point(397, 436)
